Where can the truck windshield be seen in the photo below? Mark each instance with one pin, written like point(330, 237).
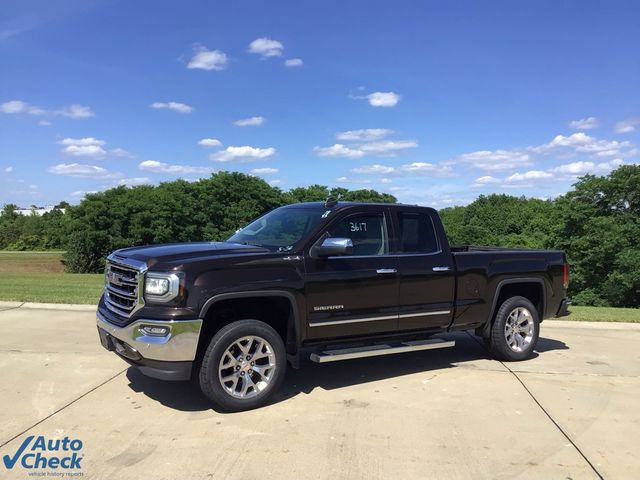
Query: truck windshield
point(280, 230)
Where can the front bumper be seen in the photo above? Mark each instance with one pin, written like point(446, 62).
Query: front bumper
point(168, 357)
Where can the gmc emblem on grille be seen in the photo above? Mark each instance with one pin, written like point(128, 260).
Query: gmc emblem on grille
point(114, 278)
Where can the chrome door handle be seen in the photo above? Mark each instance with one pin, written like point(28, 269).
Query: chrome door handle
point(441, 269)
point(386, 271)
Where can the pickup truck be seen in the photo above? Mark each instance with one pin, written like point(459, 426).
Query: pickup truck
point(330, 280)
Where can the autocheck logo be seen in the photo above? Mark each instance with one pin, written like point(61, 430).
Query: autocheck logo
point(38, 453)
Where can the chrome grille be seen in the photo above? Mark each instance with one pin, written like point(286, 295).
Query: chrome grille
point(123, 287)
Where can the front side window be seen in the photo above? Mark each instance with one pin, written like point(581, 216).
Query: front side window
point(416, 233)
point(367, 232)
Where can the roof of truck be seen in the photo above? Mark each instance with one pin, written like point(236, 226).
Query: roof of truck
point(342, 204)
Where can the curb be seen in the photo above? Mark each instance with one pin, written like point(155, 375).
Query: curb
point(48, 306)
point(592, 325)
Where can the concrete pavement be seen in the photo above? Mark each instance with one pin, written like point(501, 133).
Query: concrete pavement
point(571, 412)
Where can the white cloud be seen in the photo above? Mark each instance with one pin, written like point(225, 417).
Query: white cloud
point(579, 168)
point(383, 99)
point(353, 180)
point(13, 106)
point(364, 134)
point(528, 176)
point(75, 111)
point(121, 152)
point(83, 147)
point(486, 180)
point(135, 181)
point(243, 154)
point(425, 167)
point(81, 171)
point(205, 59)
point(293, 62)
point(71, 111)
point(85, 151)
point(175, 106)
point(44, 123)
point(338, 150)
point(266, 47)
point(90, 147)
point(8, 170)
point(209, 142)
point(249, 122)
point(493, 160)
point(375, 168)
point(275, 182)
point(82, 141)
point(264, 171)
point(585, 123)
point(159, 167)
point(387, 147)
point(386, 180)
point(628, 125)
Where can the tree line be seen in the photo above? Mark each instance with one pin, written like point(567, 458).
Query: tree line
point(597, 223)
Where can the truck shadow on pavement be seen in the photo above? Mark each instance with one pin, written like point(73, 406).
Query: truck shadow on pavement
point(186, 396)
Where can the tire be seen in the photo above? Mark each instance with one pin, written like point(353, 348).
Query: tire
point(236, 373)
point(511, 338)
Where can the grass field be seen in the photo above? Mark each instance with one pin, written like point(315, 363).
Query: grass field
point(30, 262)
point(603, 314)
point(39, 277)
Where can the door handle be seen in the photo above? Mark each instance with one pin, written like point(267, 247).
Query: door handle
point(386, 271)
point(441, 268)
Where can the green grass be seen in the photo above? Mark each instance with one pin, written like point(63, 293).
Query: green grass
point(30, 261)
point(51, 287)
point(603, 314)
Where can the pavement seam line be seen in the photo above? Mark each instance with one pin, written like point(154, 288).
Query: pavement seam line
point(544, 410)
point(62, 408)
point(12, 308)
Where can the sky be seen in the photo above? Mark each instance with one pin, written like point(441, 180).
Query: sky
point(434, 102)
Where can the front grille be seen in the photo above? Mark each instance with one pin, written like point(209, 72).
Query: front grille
point(122, 294)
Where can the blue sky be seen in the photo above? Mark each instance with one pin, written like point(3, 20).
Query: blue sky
point(435, 102)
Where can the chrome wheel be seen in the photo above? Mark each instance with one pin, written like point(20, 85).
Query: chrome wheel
point(247, 367)
point(519, 329)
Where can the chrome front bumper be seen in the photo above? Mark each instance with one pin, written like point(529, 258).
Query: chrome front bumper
point(179, 345)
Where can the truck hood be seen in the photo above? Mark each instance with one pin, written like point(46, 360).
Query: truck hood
point(176, 252)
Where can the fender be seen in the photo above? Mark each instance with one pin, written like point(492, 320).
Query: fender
point(296, 327)
point(486, 328)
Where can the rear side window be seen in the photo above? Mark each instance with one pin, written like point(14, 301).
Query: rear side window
point(367, 232)
point(416, 233)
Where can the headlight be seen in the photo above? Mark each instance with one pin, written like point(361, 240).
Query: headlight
point(161, 287)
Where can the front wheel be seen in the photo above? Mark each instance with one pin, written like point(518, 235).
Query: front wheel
point(243, 366)
point(515, 331)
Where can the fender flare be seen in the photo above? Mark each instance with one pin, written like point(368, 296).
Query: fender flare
point(486, 328)
point(293, 324)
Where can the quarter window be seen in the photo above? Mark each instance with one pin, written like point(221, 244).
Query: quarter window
point(416, 233)
point(367, 232)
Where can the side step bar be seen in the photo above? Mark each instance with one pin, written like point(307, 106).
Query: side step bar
point(381, 349)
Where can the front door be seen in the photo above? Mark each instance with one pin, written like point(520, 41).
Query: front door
point(354, 294)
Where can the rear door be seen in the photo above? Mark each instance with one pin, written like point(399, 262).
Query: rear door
point(354, 294)
point(425, 270)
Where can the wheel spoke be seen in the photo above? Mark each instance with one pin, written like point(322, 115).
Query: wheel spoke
point(238, 372)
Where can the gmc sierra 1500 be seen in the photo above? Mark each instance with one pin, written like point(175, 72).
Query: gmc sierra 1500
point(338, 280)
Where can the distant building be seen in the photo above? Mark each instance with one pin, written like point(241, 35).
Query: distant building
point(35, 210)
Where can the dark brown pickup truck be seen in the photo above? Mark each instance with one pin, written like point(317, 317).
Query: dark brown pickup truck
point(366, 279)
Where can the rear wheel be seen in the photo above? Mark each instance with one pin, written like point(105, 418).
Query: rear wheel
point(515, 331)
point(243, 365)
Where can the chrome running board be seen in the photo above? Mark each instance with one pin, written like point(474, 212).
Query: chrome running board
point(380, 349)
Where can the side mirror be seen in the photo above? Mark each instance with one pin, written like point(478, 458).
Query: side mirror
point(332, 247)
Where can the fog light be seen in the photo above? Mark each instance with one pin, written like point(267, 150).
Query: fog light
point(155, 331)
